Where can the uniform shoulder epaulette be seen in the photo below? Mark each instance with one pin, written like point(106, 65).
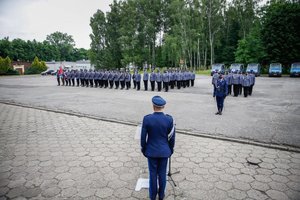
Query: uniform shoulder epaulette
point(169, 116)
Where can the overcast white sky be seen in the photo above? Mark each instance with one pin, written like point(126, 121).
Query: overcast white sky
point(35, 19)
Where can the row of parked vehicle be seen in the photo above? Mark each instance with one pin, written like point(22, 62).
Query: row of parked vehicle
point(275, 69)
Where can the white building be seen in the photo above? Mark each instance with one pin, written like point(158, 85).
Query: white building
point(81, 64)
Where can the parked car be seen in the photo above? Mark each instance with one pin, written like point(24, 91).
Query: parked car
point(47, 72)
point(236, 67)
point(254, 67)
point(295, 70)
point(53, 73)
point(218, 67)
point(275, 69)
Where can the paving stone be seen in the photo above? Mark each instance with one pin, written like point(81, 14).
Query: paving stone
point(258, 195)
point(122, 193)
point(15, 192)
point(274, 194)
point(85, 192)
point(51, 192)
point(236, 194)
point(69, 192)
point(278, 186)
point(104, 192)
point(3, 190)
point(32, 192)
point(241, 185)
point(223, 185)
point(245, 178)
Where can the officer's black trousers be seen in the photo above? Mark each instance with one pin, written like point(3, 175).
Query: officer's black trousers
point(145, 85)
point(192, 82)
point(138, 85)
point(127, 85)
point(178, 85)
point(77, 81)
point(86, 82)
point(220, 103)
point(250, 90)
point(152, 85)
point(73, 82)
point(183, 84)
point(229, 89)
point(117, 84)
point(246, 91)
point(159, 86)
point(122, 85)
point(166, 86)
point(63, 81)
point(235, 90)
point(82, 82)
point(58, 81)
point(111, 84)
point(240, 89)
point(105, 83)
point(188, 83)
point(92, 82)
point(134, 84)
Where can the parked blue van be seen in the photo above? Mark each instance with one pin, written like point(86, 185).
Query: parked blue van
point(218, 67)
point(236, 67)
point(254, 67)
point(275, 69)
point(295, 70)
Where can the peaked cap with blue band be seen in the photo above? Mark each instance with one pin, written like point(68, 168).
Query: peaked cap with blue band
point(158, 101)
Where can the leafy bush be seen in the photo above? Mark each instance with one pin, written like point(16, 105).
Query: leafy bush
point(36, 67)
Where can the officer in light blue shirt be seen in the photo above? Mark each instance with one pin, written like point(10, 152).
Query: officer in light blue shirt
point(158, 80)
point(145, 79)
point(127, 79)
point(111, 76)
point(157, 144)
point(235, 83)
point(152, 80)
point(252, 75)
point(166, 81)
point(138, 80)
point(246, 82)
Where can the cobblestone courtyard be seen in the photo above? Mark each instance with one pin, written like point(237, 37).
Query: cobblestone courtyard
point(46, 155)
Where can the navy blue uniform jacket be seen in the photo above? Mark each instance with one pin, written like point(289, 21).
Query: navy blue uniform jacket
point(158, 135)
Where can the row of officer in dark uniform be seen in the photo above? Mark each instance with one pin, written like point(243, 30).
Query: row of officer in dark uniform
point(120, 79)
point(236, 82)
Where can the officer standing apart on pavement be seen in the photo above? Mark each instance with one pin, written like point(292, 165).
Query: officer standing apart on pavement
point(157, 143)
point(220, 92)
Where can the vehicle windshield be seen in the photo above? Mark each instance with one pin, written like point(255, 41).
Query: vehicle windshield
point(295, 66)
point(235, 66)
point(252, 67)
point(216, 66)
point(275, 66)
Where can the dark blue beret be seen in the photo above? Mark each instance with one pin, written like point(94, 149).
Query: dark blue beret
point(158, 101)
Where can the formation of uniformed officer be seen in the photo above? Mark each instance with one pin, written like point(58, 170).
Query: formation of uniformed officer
point(157, 144)
point(239, 82)
point(122, 79)
point(220, 92)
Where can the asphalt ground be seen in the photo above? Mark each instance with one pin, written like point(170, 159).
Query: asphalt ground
point(270, 116)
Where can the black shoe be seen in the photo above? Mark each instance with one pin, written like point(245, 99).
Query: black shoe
point(217, 113)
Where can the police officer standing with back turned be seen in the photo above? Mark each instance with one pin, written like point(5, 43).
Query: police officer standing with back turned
point(157, 144)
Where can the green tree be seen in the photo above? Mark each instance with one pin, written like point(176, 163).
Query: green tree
point(5, 65)
point(280, 32)
point(63, 42)
point(251, 49)
point(36, 67)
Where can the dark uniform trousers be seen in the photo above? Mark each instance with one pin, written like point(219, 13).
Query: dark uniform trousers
point(111, 84)
point(246, 91)
point(134, 84)
point(240, 89)
point(138, 85)
point(159, 86)
point(192, 82)
point(105, 83)
point(77, 80)
point(152, 85)
point(117, 84)
point(82, 82)
point(92, 82)
point(229, 89)
point(58, 80)
point(220, 103)
point(127, 85)
point(166, 86)
point(157, 168)
point(250, 90)
point(122, 85)
point(178, 85)
point(87, 82)
point(73, 82)
point(235, 90)
point(146, 85)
